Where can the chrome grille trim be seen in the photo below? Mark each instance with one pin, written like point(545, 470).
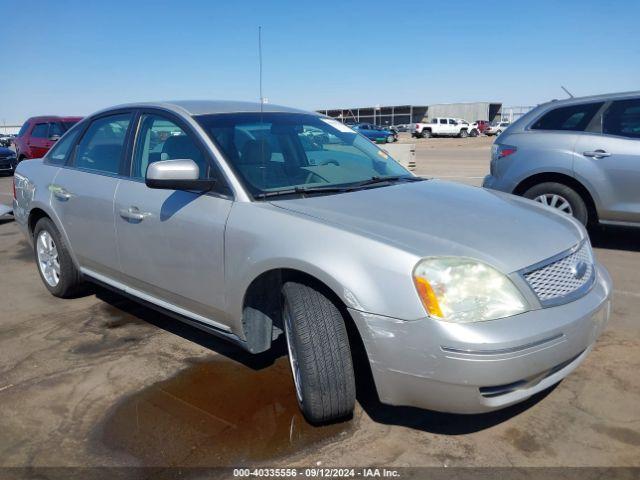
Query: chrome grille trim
point(553, 280)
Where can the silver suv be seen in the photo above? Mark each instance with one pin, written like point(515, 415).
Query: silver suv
point(580, 156)
point(253, 221)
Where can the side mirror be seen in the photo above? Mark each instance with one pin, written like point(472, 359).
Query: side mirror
point(54, 138)
point(177, 175)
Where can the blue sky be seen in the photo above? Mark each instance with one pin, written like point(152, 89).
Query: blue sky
point(74, 57)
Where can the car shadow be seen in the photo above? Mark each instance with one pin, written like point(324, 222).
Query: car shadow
point(190, 333)
point(175, 202)
point(411, 417)
point(615, 238)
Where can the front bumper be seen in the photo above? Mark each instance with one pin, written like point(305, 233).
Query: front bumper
point(475, 368)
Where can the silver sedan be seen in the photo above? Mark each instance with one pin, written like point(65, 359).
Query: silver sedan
point(254, 221)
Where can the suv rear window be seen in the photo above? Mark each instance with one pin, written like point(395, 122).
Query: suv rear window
point(573, 118)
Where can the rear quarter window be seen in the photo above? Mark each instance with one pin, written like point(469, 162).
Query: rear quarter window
point(622, 118)
point(574, 118)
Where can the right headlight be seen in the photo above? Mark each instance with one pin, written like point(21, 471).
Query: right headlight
point(463, 290)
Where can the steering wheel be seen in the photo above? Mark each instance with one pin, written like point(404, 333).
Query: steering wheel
point(330, 161)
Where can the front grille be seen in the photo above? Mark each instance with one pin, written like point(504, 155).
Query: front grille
point(562, 279)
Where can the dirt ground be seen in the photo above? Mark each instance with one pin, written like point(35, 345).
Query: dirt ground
point(102, 381)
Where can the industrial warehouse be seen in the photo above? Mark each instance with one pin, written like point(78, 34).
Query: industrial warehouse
point(387, 115)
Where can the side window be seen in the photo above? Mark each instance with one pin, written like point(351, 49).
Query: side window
point(623, 118)
point(161, 139)
point(443, 121)
point(572, 118)
point(100, 149)
point(452, 121)
point(56, 128)
point(24, 129)
point(60, 152)
point(41, 130)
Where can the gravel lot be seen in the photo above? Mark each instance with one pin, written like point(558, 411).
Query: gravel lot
point(102, 381)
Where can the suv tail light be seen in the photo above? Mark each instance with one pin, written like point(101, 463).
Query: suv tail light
point(505, 150)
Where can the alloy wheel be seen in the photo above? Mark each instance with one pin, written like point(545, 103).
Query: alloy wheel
point(48, 260)
point(293, 358)
point(555, 201)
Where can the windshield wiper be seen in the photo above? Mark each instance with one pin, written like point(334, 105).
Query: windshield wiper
point(390, 179)
point(336, 189)
point(301, 191)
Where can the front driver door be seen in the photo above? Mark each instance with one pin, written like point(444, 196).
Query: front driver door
point(171, 242)
point(609, 162)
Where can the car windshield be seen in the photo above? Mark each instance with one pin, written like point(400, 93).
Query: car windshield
point(278, 152)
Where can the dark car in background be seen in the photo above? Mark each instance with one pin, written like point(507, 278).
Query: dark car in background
point(38, 134)
point(375, 133)
point(8, 160)
point(6, 140)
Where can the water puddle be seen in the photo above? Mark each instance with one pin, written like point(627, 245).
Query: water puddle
point(217, 413)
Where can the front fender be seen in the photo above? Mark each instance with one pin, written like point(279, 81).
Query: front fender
point(366, 274)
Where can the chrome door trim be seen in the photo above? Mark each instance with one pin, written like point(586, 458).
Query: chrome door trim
point(156, 301)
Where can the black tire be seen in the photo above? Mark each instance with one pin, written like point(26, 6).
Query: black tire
point(317, 340)
point(390, 139)
point(426, 134)
point(474, 133)
point(463, 133)
point(578, 206)
point(70, 280)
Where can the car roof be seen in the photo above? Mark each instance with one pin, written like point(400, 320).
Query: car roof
point(48, 118)
point(205, 107)
point(594, 98)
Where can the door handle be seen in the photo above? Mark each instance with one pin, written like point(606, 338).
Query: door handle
point(133, 213)
point(596, 154)
point(60, 193)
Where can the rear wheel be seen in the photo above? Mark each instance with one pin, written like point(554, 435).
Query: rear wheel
point(390, 139)
point(560, 197)
point(319, 354)
point(56, 268)
point(464, 133)
point(474, 133)
point(426, 134)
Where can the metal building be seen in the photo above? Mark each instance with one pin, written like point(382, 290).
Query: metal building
point(468, 111)
point(379, 115)
point(405, 114)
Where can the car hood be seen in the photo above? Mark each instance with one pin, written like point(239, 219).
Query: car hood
point(438, 218)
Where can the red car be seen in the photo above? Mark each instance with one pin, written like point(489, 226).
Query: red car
point(38, 134)
point(482, 125)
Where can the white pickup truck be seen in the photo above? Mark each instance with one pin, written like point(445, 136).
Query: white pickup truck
point(443, 127)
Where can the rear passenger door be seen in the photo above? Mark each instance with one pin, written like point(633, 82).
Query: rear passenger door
point(84, 189)
point(171, 242)
point(608, 160)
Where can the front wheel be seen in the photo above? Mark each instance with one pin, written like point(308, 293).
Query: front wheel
point(390, 139)
point(464, 134)
point(319, 354)
point(426, 134)
point(561, 197)
point(474, 133)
